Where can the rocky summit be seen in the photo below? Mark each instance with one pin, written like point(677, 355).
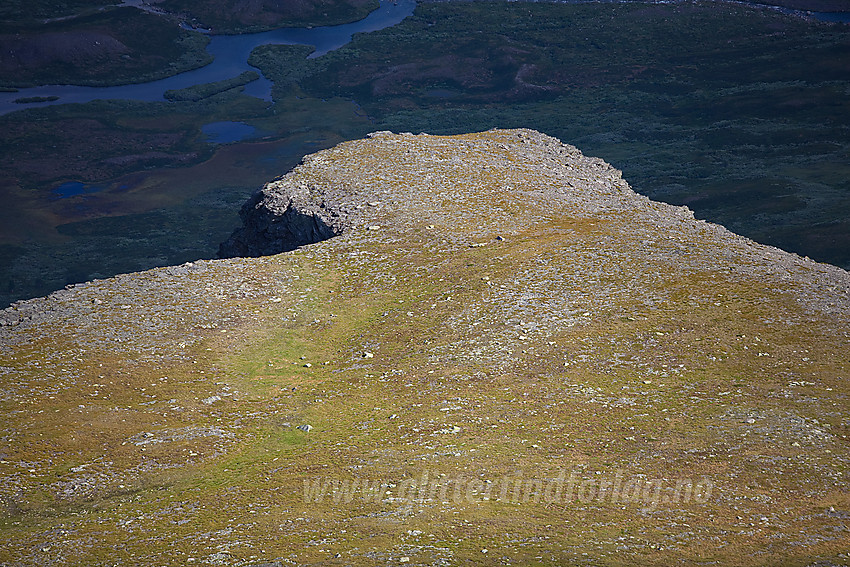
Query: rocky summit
point(483, 349)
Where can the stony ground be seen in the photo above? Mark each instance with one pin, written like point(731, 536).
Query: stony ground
point(507, 357)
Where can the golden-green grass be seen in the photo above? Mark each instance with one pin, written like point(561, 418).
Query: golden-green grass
point(629, 365)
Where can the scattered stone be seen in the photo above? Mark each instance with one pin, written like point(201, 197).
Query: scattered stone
point(541, 289)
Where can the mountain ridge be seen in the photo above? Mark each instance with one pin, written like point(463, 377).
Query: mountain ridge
point(497, 312)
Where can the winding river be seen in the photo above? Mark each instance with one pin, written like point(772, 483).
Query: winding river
point(231, 58)
point(231, 54)
point(166, 235)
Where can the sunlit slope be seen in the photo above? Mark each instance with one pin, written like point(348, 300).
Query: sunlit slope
point(506, 357)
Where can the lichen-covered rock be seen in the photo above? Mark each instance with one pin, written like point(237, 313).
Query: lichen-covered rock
point(281, 217)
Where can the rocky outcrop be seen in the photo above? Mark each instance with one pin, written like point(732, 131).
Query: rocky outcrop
point(279, 218)
point(499, 312)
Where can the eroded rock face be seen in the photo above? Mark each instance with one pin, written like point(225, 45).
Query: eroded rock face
point(517, 311)
point(281, 217)
point(501, 183)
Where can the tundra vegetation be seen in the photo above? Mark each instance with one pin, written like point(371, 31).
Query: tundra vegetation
point(240, 16)
point(101, 48)
point(200, 92)
point(739, 112)
point(500, 316)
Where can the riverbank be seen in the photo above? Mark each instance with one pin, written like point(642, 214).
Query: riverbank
point(227, 56)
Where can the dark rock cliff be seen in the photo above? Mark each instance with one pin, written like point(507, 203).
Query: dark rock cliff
point(499, 313)
point(276, 220)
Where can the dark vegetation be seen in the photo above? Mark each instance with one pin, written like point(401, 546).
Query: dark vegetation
point(115, 46)
point(813, 5)
point(31, 99)
point(200, 92)
point(698, 104)
point(97, 141)
point(237, 16)
point(24, 12)
point(740, 113)
point(284, 65)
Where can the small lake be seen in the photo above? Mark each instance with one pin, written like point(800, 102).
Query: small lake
point(74, 188)
point(231, 58)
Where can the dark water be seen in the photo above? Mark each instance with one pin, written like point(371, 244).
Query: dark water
point(836, 17)
point(110, 241)
point(74, 188)
point(231, 58)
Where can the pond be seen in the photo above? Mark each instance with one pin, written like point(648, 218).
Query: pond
point(74, 188)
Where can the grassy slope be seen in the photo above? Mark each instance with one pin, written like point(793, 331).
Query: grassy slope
point(630, 340)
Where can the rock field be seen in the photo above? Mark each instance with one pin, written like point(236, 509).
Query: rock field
point(505, 356)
